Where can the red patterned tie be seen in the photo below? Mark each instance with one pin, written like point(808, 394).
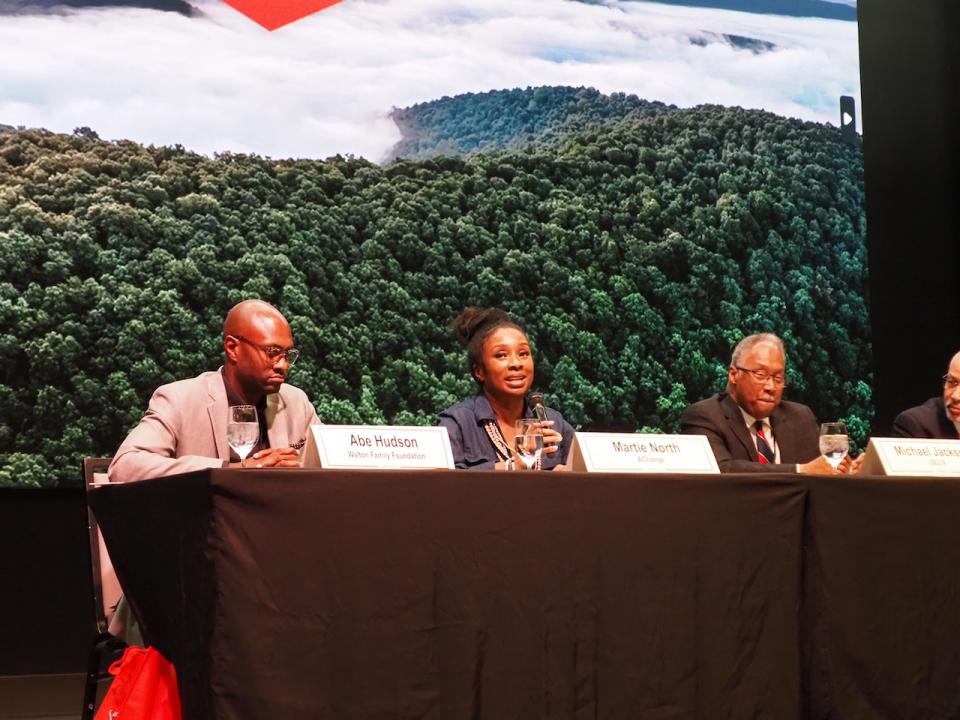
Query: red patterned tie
point(765, 454)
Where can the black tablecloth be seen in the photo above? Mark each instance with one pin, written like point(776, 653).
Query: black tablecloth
point(327, 594)
point(882, 591)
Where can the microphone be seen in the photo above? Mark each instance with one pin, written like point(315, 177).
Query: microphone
point(535, 403)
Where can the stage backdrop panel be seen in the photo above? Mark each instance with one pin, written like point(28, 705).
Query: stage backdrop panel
point(639, 184)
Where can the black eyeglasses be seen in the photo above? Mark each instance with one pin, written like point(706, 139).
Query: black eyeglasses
point(761, 376)
point(950, 383)
point(272, 351)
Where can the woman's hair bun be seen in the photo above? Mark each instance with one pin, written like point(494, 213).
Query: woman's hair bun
point(474, 319)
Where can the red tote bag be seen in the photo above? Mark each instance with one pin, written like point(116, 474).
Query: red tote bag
point(144, 688)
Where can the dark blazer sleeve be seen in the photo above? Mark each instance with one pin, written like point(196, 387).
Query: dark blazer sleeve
point(796, 429)
point(905, 425)
point(925, 421)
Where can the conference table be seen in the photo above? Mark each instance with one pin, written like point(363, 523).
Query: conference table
point(449, 594)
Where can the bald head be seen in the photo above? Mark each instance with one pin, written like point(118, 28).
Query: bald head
point(250, 314)
point(256, 341)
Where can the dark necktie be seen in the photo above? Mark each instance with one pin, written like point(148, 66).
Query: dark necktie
point(765, 454)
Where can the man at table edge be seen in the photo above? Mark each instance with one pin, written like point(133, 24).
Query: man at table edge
point(938, 417)
point(185, 426)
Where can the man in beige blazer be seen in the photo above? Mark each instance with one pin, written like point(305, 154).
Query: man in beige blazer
point(185, 426)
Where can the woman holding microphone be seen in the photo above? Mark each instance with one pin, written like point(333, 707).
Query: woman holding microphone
point(483, 429)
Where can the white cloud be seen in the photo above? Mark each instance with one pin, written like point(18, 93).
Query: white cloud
point(325, 85)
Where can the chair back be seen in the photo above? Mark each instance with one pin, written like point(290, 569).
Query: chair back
point(106, 587)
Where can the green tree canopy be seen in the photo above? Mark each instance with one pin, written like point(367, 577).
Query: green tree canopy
point(636, 244)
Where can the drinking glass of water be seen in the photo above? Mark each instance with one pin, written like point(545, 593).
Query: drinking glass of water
point(528, 441)
point(834, 443)
point(243, 430)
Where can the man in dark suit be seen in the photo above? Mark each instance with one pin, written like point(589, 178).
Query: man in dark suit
point(750, 427)
point(938, 417)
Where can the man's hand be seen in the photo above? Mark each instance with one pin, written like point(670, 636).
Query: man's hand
point(820, 466)
point(857, 462)
point(273, 457)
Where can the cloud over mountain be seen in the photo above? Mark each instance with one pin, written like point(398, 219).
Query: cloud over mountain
point(327, 84)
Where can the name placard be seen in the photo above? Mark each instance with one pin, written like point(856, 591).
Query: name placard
point(912, 456)
point(377, 446)
point(636, 453)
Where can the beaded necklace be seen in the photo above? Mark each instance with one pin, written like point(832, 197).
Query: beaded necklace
point(500, 442)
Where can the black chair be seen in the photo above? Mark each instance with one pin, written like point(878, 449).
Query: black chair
point(106, 594)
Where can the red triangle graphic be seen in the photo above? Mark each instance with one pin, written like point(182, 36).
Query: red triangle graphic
point(272, 14)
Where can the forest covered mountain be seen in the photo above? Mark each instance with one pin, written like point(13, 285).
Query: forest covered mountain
point(636, 251)
point(509, 119)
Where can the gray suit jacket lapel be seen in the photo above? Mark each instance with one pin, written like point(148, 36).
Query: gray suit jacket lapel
point(217, 412)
